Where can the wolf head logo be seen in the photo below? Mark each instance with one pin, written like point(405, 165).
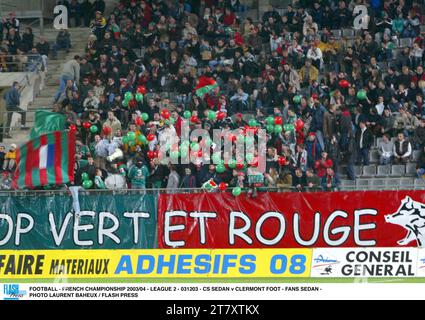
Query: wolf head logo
point(411, 216)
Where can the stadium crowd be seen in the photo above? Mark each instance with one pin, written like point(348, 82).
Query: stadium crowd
point(324, 96)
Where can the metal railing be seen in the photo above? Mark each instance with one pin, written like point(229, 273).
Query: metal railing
point(194, 191)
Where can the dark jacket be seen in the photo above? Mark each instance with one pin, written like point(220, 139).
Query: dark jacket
point(367, 139)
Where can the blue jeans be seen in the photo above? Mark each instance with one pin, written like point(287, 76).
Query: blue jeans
point(363, 155)
point(63, 80)
point(60, 45)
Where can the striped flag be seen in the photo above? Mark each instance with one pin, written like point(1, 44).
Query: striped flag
point(205, 85)
point(46, 160)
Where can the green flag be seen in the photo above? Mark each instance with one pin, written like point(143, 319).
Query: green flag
point(46, 122)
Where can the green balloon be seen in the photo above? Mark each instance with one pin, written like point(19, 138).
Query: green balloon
point(220, 168)
point(278, 129)
point(87, 184)
point(249, 157)
point(194, 146)
point(297, 99)
point(131, 136)
point(139, 97)
point(362, 95)
point(131, 143)
point(270, 128)
point(216, 158)
point(142, 139)
point(145, 117)
point(208, 142)
point(174, 155)
point(237, 191)
point(128, 96)
point(289, 127)
point(232, 164)
point(270, 120)
point(172, 121)
point(253, 123)
point(93, 129)
point(124, 140)
point(187, 114)
point(249, 140)
point(185, 144)
point(85, 176)
point(212, 115)
point(125, 103)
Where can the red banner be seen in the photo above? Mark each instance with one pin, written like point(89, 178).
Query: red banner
point(292, 220)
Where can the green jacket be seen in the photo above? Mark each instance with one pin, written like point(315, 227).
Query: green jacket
point(138, 176)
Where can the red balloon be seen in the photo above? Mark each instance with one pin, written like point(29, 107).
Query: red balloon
point(344, 84)
point(194, 119)
point(132, 103)
point(231, 137)
point(138, 121)
point(141, 89)
point(150, 137)
point(282, 161)
point(221, 115)
point(86, 125)
point(240, 166)
point(72, 127)
point(299, 125)
point(165, 113)
point(278, 121)
point(254, 162)
point(151, 154)
point(199, 154)
point(156, 154)
point(222, 186)
point(107, 130)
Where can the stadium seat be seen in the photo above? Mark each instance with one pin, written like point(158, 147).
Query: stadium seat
point(348, 33)
point(374, 156)
point(406, 182)
point(416, 154)
point(369, 171)
point(398, 170)
point(411, 169)
point(378, 141)
point(337, 34)
point(406, 42)
point(363, 183)
point(379, 183)
point(384, 171)
point(422, 28)
point(348, 183)
point(358, 170)
point(419, 183)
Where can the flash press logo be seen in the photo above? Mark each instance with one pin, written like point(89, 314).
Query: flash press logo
point(13, 292)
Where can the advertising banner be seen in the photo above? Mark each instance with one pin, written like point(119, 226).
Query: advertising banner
point(84, 264)
point(364, 262)
point(292, 220)
point(105, 221)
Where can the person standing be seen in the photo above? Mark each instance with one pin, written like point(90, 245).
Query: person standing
point(13, 100)
point(173, 180)
point(364, 141)
point(71, 71)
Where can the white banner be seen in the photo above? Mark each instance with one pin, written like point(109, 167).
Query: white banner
point(215, 292)
point(364, 262)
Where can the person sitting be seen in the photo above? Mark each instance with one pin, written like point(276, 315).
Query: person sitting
point(385, 149)
point(63, 41)
point(402, 149)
